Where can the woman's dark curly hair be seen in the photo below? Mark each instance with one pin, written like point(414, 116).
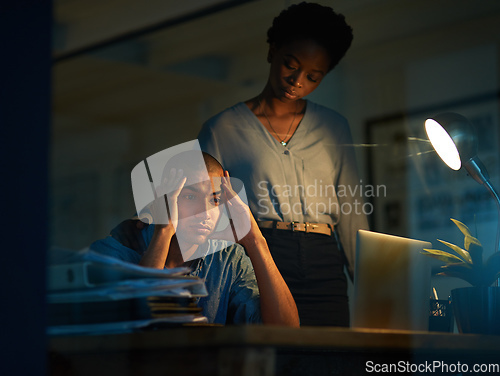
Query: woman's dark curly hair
point(312, 21)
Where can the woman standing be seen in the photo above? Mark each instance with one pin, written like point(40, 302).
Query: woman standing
point(296, 160)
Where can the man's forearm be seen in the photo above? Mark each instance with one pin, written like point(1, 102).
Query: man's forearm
point(277, 304)
point(157, 251)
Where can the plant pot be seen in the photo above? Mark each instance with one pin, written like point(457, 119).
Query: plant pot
point(477, 309)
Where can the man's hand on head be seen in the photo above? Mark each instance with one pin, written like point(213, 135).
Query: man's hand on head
point(241, 218)
point(168, 193)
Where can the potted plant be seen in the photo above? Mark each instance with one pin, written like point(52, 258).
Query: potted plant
point(477, 308)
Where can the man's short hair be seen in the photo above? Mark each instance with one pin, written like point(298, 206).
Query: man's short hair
point(193, 160)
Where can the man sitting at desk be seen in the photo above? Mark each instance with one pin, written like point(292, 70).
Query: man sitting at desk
point(243, 287)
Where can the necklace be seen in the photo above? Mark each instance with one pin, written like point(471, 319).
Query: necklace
point(282, 142)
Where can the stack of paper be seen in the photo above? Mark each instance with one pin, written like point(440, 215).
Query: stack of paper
point(93, 293)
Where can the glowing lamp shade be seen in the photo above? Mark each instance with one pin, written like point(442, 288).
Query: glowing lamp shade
point(443, 144)
point(453, 137)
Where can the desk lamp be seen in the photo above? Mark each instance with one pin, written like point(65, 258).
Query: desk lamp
point(454, 138)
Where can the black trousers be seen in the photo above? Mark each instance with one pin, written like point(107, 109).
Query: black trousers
point(312, 265)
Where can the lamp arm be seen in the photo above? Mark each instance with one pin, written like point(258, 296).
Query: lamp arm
point(478, 172)
point(494, 193)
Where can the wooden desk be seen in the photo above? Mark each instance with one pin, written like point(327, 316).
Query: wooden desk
point(265, 350)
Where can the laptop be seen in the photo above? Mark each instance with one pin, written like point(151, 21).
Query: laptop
point(391, 283)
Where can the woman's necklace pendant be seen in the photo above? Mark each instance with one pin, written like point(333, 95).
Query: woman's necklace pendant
point(282, 142)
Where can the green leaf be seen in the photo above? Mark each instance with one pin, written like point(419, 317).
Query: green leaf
point(442, 256)
point(476, 254)
point(463, 228)
point(455, 274)
point(462, 271)
point(461, 252)
point(470, 267)
point(471, 240)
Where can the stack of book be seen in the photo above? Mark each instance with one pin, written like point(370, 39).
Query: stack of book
point(89, 293)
